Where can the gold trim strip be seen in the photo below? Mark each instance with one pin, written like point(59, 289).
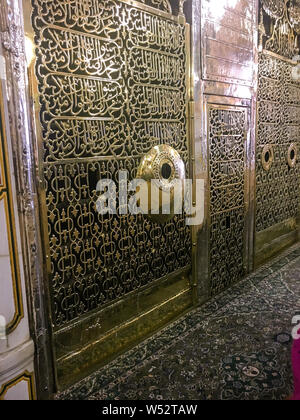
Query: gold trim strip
point(280, 57)
point(149, 9)
point(27, 377)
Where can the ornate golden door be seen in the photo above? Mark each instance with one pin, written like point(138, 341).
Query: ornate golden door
point(109, 82)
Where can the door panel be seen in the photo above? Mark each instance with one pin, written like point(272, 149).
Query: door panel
point(228, 147)
point(277, 184)
point(110, 81)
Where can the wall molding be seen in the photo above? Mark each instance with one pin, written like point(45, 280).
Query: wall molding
point(25, 376)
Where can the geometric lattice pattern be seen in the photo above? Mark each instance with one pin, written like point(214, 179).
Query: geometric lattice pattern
point(277, 191)
point(112, 85)
point(227, 163)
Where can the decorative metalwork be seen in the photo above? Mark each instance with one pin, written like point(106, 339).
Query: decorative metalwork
point(112, 85)
point(267, 158)
point(163, 5)
point(227, 163)
point(277, 196)
point(274, 8)
point(162, 168)
point(292, 155)
point(280, 26)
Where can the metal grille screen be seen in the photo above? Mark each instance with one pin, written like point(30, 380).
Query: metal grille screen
point(112, 84)
point(227, 168)
point(277, 192)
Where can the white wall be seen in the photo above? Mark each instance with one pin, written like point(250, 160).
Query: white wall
point(16, 347)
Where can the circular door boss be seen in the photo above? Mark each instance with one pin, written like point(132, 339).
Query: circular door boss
point(162, 168)
point(292, 156)
point(267, 157)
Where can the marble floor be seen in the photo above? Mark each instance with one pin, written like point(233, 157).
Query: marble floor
point(236, 347)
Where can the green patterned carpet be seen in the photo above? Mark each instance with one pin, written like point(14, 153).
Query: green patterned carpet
point(235, 347)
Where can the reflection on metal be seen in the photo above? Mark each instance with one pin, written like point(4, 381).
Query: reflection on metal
point(292, 155)
point(280, 26)
point(267, 158)
point(228, 31)
point(163, 170)
point(277, 191)
point(111, 84)
point(227, 131)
